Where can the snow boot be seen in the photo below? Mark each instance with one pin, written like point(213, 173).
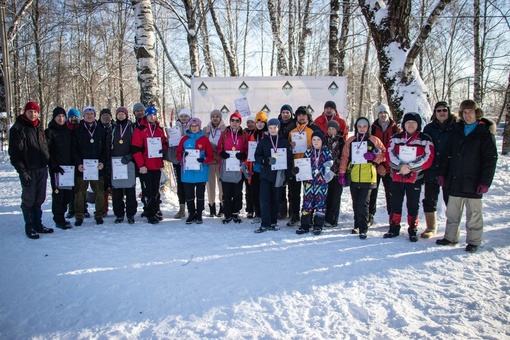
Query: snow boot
point(236, 218)
point(370, 221)
point(37, 222)
point(220, 213)
point(394, 226)
point(445, 242)
point(212, 210)
point(181, 213)
point(282, 211)
point(471, 248)
point(198, 217)
point(318, 223)
point(260, 229)
point(29, 225)
point(191, 211)
point(431, 221)
point(306, 221)
point(412, 221)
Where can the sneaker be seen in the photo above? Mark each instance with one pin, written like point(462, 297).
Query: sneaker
point(260, 229)
point(444, 242)
point(249, 215)
point(471, 248)
point(302, 230)
point(32, 234)
point(236, 218)
point(198, 219)
point(227, 220)
point(355, 231)
point(69, 215)
point(191, 219)
point(131, 220)
point(362, 236)
point(274, 227)
point(292, 222)
point(99, 220)
point(78, 222)
point(152, 220)
point(119, 220)
point(256, 220)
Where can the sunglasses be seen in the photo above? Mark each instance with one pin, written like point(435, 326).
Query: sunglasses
point(442, 110)
point(235, 120)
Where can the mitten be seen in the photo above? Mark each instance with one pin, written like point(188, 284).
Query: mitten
point(185, 153)
point(272, 160)
point(482, 189)
point(59, 170)
point(241, 156)
point(295, 170)
point(125, 159)
point(369, 156)
point(342, 180)
point(200, 159)
point(224, 155)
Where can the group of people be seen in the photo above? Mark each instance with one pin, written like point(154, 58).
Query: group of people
point(291, 167)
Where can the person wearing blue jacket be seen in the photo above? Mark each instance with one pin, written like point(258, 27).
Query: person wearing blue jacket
point(194, 180)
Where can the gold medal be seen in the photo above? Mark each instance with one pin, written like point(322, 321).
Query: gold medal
point(233, 148)
point(92, 141)
point(275, 156)
point(121, 141)
point(56, 191)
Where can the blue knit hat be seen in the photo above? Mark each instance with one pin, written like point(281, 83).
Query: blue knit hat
point(274, 121)
point(73, 112)
point(151, 110)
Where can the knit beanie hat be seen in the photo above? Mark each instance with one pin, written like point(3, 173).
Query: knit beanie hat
point(58, 111)
point(330, 104)
point(195, 121)
point(31, 106)
point(138, 106)
point(185, 112)
point(411, 116)
point(89, 108)
point(381, 108)
point(288, 108)
point(105, 111)
point(236, 114)
point(334, 124)
point(151, 110)
point(216, 112)
point(274, 121)
point(73, 112)
point(318, 133)
point(121, 109)
point(261, 116)
point(362, 120)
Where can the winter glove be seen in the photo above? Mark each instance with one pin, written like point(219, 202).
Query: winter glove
point(161, 151)
point(295, 170)
point(224, 155)
point(25, 179)
point(482, 189)
point(59, 170)
point(200, 159)
point(440, 181)
point(342, 180)
point(272, 160)
point(369, 156)
point(241, 156)
point(125, 159)
point(185, 153)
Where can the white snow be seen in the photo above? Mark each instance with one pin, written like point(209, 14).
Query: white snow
point(173, 281)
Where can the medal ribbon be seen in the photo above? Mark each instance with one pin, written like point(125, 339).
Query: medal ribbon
point(317, 154)
point(91, 134)
point(122, 132)
point(150, 129)
point(234, 140)
point(275, 146)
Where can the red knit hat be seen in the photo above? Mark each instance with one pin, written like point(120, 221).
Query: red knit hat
point(236, 114)
point(31, 106)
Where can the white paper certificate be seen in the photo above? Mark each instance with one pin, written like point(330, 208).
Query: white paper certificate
point(67, 179)
point(252, 146)
point(119, 170)
point(242, 106)
point(305, 169)
point(232, 163)
point(358, 149)
point(281, 159)
point(300, 139)
point(407, 154)
point(154, 146)
point(191, 162)
point(174, 135)
point(90, 171)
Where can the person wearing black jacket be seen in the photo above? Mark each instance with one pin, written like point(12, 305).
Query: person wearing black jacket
point(287, 123)
point(118, 143)
point(89, 142)
point(60, 140)
point(28, 151)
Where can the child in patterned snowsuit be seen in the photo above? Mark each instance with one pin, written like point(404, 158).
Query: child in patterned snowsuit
point(315, 190)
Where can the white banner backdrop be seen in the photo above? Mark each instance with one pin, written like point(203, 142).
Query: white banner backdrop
point(266, 94)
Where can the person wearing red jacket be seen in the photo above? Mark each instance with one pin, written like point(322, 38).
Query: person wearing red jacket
point(148, 147)
point(330, 113)
point(409, 154)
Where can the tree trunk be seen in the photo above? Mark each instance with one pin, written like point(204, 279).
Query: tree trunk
point(506, 133)
point(305, 32)
point(281, 58)
point(334, 53)
point(342, 44)
point(291, 37)
point(38, 56)
point(144, 50)
point(363, 77)
point(204, 30)
point(477, 93)
point(191, 36)
point(227, 49)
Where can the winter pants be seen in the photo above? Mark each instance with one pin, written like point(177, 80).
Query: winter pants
point(474, 219)
point(431, 197)
point(333, 201)
point(80, 187)
point(412, 193)
point(360, 200)
point(232, 198)
point(269, 202)
point(118, 204)
point(248, 196)
point(315, 199)
point(295, 197)
point(60, 198)
point(214, 178)
point(180, 186)
point(255, 194)
point(150, 191)
point(191, 191)
point(33, 196)
point(386, 180)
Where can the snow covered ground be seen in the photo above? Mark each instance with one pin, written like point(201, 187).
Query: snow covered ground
point(174, 281)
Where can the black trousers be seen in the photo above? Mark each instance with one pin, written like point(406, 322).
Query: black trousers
point(269, 197)
point(386, 180)
point(59, 201)
point(150, 191)
point(412, 193)
point(119, 206)
point(295, 197)
point(232, 198)
point(192, 191)
point(432, 197)
point(255, 193)
point(333, 201)
point(360, 200)
point(180, 186)
point(248, 196)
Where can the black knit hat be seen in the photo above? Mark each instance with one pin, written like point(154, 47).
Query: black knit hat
point(411, 116)
point(330, 104)
point(103, 111)
point(318, 133)
point(59, 111)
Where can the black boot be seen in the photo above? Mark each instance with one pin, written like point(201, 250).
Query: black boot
point(282, 211)
point(318, 223)
point(212, 210)
point(393, 232)
point(413, 228)
point(220, 213)
point(306, 221)
point(29, 225)
point(190, 204)
point(37, 221)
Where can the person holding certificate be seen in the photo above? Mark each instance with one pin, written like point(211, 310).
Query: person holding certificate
point(287, 123)
point(409, 154)
point(195, 154)
point(60, 141)
point(119, 147)
point(213, 132)
point(148, 147)
point(361, 154)
point(89, 157)
point(233, 149)
point(331, 114)
point(271, 181)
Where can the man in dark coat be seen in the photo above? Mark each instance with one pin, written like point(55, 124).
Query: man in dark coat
point(466, 173)
point(28, 150)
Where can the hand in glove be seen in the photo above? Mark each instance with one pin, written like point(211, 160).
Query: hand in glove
point(369, 156)
point(295, 170)
point(59, 170)
point(440, 181)
point(224, 155)
point(25, 179)
point(125, 159)
point(241, 156)
point(272, 160)
point(185, 153)
point(342, 180)
point(161, 151)
point(200, 159)
point(482, 189)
